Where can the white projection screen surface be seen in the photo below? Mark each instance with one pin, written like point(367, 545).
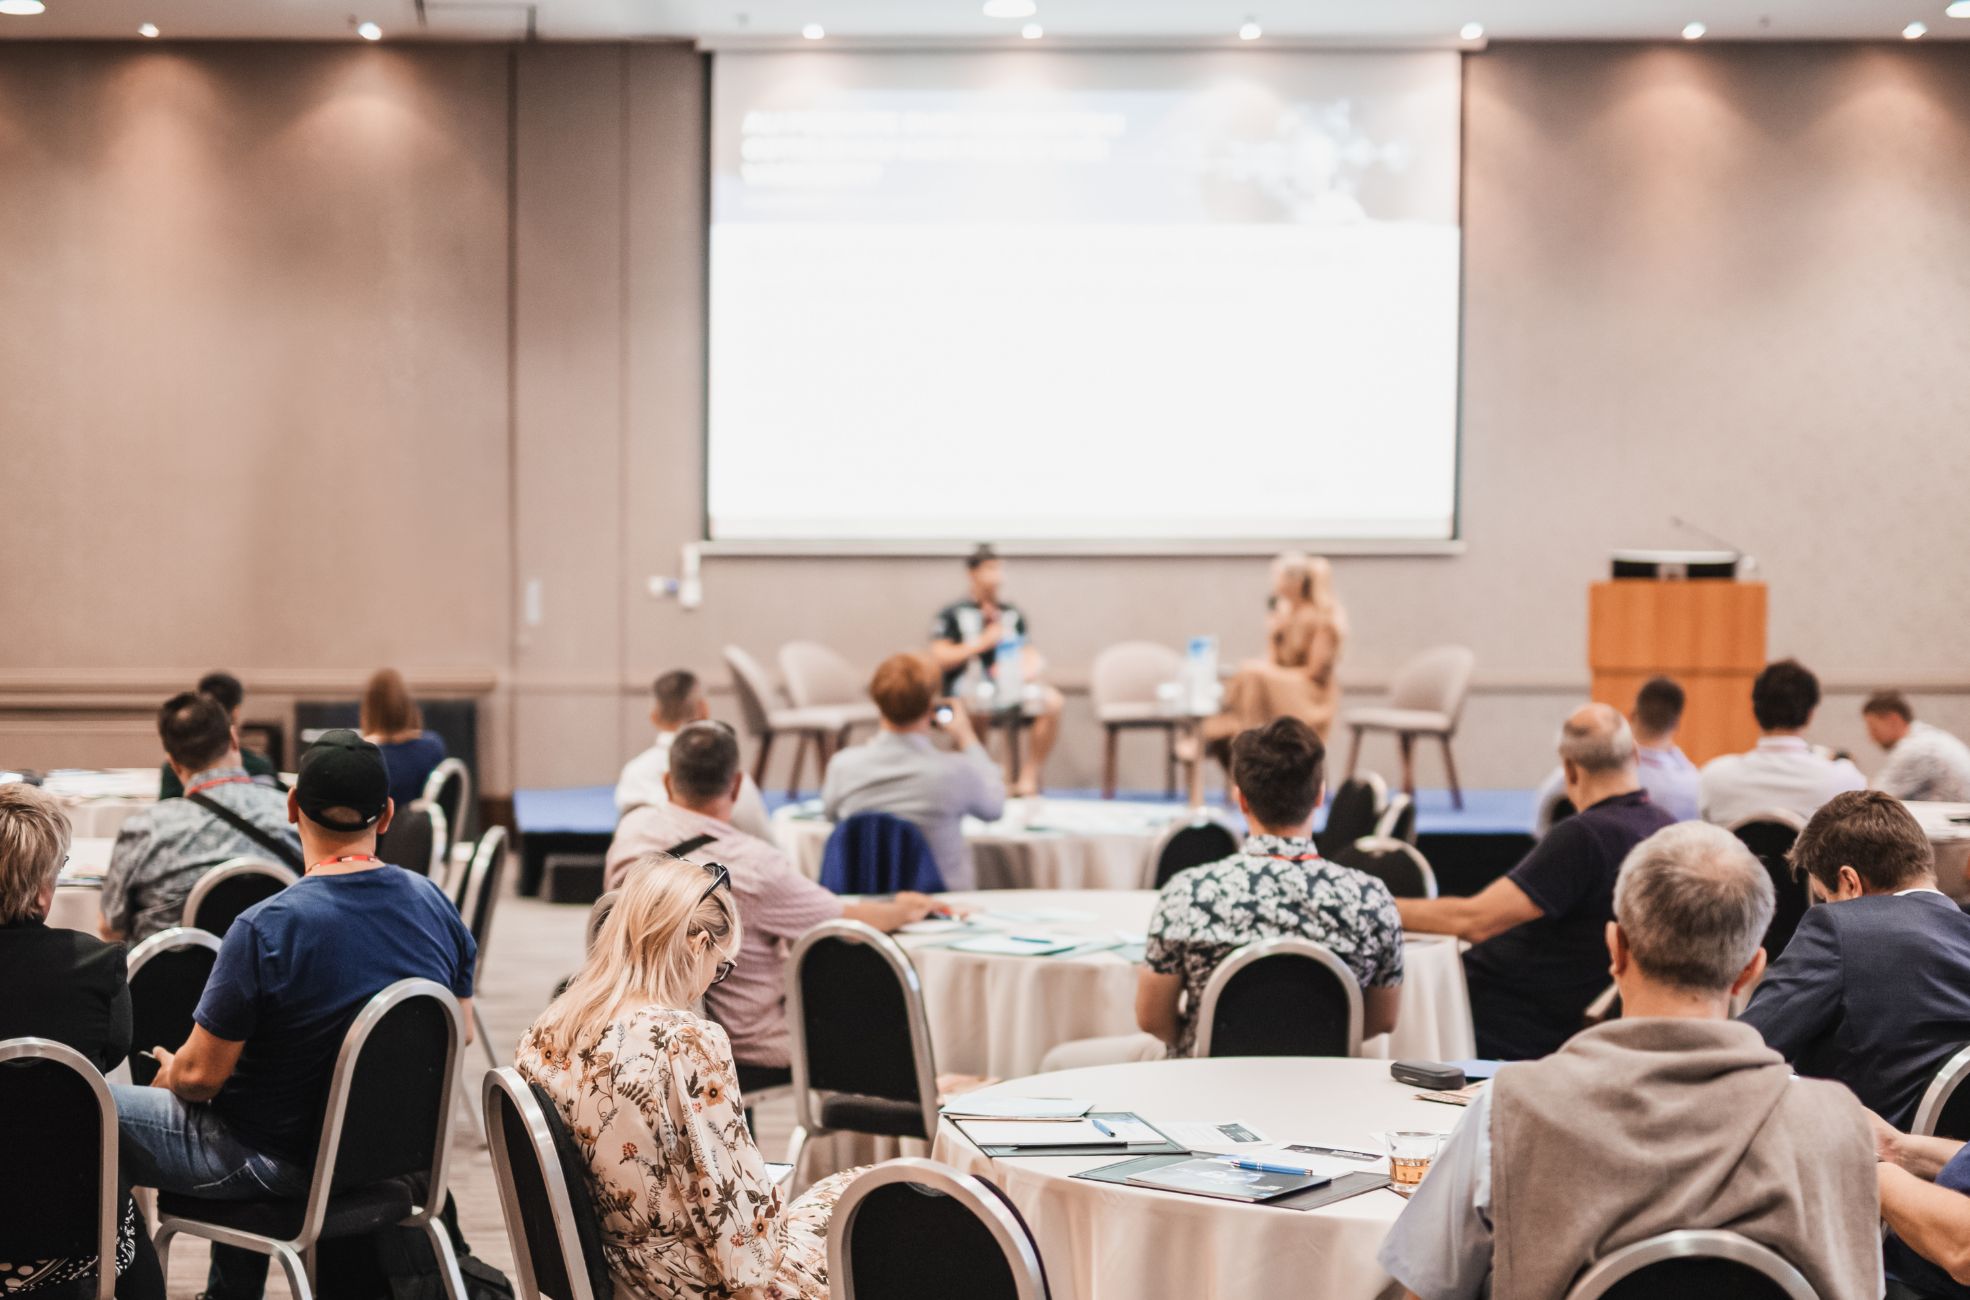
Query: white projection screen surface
point(1084, 297)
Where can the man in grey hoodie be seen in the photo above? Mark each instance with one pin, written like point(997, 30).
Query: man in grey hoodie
point(1672, 1117)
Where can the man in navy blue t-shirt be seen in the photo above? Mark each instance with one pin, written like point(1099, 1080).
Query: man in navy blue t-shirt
point(1539, 935)
point(235, 1112)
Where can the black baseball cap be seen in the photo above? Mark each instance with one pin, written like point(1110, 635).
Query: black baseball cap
point(342, 770)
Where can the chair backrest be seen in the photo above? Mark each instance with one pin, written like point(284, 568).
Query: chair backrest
point(222, 893)
point(484, 880)
point(1396, 863)
point(598, 912)
point(1945, 1108)
point(167, 974)
point(416, 840)
point(979, 1245)
point(754, 688)
point(58, 1120)
point(1133, 672)
point(1280, 997)
point(390, 1099)
point(1693, 1265)
point(817, 675)
point(1770, 835)
point(1398, 820)
point(860, 1035)
point(879, 853)
point(550, 1215)
point(449, 789)
point(1189, 844)
point(1353, 812)
point(1436, 680)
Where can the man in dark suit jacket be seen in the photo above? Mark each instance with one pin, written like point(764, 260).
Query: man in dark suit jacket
point(1874, 989)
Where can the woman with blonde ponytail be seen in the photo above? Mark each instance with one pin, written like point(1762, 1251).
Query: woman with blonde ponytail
point(1304, 628)
point(687, 1209)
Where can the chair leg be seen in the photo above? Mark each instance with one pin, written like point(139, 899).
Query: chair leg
point(299, 1284)
point(485, 1039)
point(1354, 752)
point(759, 764)
point(447, 1258)
point(160, 1242)
point(1108, 756)
point(1169, 762)
point(799, 764)
point(1450, 766)
point(1407, 743)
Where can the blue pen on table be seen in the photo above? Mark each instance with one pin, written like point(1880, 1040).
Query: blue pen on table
point(1105, 1130)
point(1261, 1167)
point(1031, 938)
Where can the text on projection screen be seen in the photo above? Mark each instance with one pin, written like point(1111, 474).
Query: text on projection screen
point(1058, 296)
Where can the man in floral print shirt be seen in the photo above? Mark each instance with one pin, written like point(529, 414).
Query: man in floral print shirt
point(1276, 886)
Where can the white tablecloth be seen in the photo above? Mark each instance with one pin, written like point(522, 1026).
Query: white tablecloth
point(98, 803)
point(998, 1016)
point(1038, 844)
point(1951, 840)
point(1102, 1241)
point(78, 894)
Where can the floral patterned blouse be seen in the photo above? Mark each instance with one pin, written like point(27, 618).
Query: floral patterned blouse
point(688, 1210)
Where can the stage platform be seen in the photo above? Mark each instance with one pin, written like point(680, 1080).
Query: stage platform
point(1468, 847)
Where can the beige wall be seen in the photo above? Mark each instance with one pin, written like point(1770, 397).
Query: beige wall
point(360, 296)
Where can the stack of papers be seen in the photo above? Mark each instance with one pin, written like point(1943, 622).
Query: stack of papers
point(1047, 1108)
point(1093, 1131)
point(1016, 945)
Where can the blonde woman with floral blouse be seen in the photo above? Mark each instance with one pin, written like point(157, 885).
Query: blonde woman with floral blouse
point(687, 1208)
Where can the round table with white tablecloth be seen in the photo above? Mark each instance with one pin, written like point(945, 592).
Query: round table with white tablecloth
point(78, 901)
point(1037, 844)
point(99, 802)
point(999, 1015)
point(1948, 827)
point(1104, 1241)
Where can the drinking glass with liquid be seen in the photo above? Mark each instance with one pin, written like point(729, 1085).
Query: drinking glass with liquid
point(1410, 1157)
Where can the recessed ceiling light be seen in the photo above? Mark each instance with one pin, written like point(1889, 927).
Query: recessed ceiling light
point(1694, 31)
point(1471, 32)
point(813, 31)
point(1251, 31)
point(148, 31)
point(1010, 8)
point(1915, 31)
point(369, 31)
point(1960, 9)
point(1032, 31)
point(22, 8)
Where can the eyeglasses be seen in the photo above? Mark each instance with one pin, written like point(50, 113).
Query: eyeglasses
point(724, 969)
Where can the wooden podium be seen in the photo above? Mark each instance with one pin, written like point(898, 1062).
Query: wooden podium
point(1707, 634)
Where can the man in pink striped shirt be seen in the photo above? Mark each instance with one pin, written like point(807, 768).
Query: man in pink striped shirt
point(777, 904)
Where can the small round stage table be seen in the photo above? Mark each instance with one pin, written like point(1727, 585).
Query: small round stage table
point(1038, 844)
point(998, 1016)
point(1104, 1241)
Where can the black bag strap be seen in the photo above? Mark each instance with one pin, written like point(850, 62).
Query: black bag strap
point(280, 848)
point(686, 848)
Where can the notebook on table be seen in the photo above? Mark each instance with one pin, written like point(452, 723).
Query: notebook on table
point(1206, 1176)
point(1103, 1133)
point(1341, 1188)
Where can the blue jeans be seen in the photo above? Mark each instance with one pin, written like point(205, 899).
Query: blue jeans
point(183, 1147)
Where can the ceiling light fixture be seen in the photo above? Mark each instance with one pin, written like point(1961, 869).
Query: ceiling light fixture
point(1471, 32)
point(1694, 31)
point(813, 31)
point(1959, 9)
point(1010, 8)
point(369, 31)
point(1251, 31)
point(148, 31)
point(22, 8)
point(1915, 31)
point(1032, 31)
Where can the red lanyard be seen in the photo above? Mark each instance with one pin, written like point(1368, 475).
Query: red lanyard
point(348, 857)
point(203, 786)
point(1301, 857)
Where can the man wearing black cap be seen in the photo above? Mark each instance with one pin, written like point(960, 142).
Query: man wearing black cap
point(234, 1113)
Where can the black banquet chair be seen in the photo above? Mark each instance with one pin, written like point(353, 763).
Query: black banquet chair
point(1770, 836)
point(1693, 1265)
point(1353, 812)
point(543, 1194)
point(228, 889)
point(1189, 844)
point(449, 790)
point(862, 1060)
point(1944, 1110)
point(884, 1220)
point(167, 974)
point(385, 1146)
point(1280, 997)
point(1396, 863)
point(58, 1120)
point(416, 840)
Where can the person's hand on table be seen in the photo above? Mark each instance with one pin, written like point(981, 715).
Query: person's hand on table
point(918, 906)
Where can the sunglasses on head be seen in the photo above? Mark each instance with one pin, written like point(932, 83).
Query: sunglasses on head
point(720, 879)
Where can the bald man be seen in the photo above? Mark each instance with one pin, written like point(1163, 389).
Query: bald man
point(1538, 935)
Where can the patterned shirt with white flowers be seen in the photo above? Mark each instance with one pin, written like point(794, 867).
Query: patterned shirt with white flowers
point(1271, 889)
